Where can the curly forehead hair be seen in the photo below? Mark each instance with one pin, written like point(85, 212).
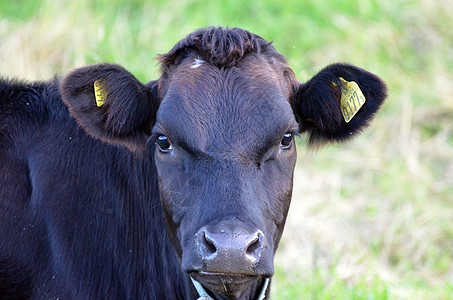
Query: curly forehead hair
point(221, 47)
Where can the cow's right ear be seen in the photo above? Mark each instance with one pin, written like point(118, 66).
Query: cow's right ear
point(111, 104)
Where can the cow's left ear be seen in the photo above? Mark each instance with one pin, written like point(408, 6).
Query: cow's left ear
point(111, 104)
point(337, 103)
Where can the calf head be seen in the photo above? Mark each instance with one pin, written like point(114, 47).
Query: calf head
point(220, 124)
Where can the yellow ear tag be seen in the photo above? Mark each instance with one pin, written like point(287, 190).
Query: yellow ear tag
point(100, 92)
point(352, 99)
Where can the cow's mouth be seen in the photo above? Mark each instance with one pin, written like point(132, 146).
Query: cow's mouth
point(222, 283)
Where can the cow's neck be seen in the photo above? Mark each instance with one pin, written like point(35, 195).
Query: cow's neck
point(153, 268)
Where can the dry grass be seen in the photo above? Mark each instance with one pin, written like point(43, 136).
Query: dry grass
point(383, 205)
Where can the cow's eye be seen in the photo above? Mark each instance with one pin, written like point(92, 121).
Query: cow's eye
point(287, 140)
point(164, 143)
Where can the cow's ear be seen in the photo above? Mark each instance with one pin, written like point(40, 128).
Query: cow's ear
point(111, 104)
point(337, 103)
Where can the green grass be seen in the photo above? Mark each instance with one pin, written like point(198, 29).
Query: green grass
point(327, 286)
point(371, 219)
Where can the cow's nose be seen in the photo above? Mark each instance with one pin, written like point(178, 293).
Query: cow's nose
point(222, 247)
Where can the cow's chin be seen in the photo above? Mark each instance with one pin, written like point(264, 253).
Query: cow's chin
point(221, 283)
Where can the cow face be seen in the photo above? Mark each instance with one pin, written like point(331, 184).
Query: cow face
point(225, 158)
point(220, 125)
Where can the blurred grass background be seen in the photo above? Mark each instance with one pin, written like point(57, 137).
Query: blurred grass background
point(371, 219)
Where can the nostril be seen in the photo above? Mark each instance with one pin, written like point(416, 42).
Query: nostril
point(209, 244)
point(254, 245)
point(255, 248)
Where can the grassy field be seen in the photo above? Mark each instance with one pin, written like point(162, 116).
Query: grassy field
point(372, 219)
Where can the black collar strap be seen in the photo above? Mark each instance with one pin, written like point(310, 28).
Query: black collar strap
point(205, 296)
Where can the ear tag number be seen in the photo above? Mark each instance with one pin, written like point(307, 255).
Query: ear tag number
point(100, 92)
point(352, 99)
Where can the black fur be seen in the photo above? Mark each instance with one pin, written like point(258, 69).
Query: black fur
point(127, 114)
point(82, 217)
point(317, 103)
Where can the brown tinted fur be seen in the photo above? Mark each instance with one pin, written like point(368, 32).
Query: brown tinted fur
point(224, 48)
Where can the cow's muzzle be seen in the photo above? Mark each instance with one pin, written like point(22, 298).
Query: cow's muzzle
point(227, 251)
point(227, 259)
